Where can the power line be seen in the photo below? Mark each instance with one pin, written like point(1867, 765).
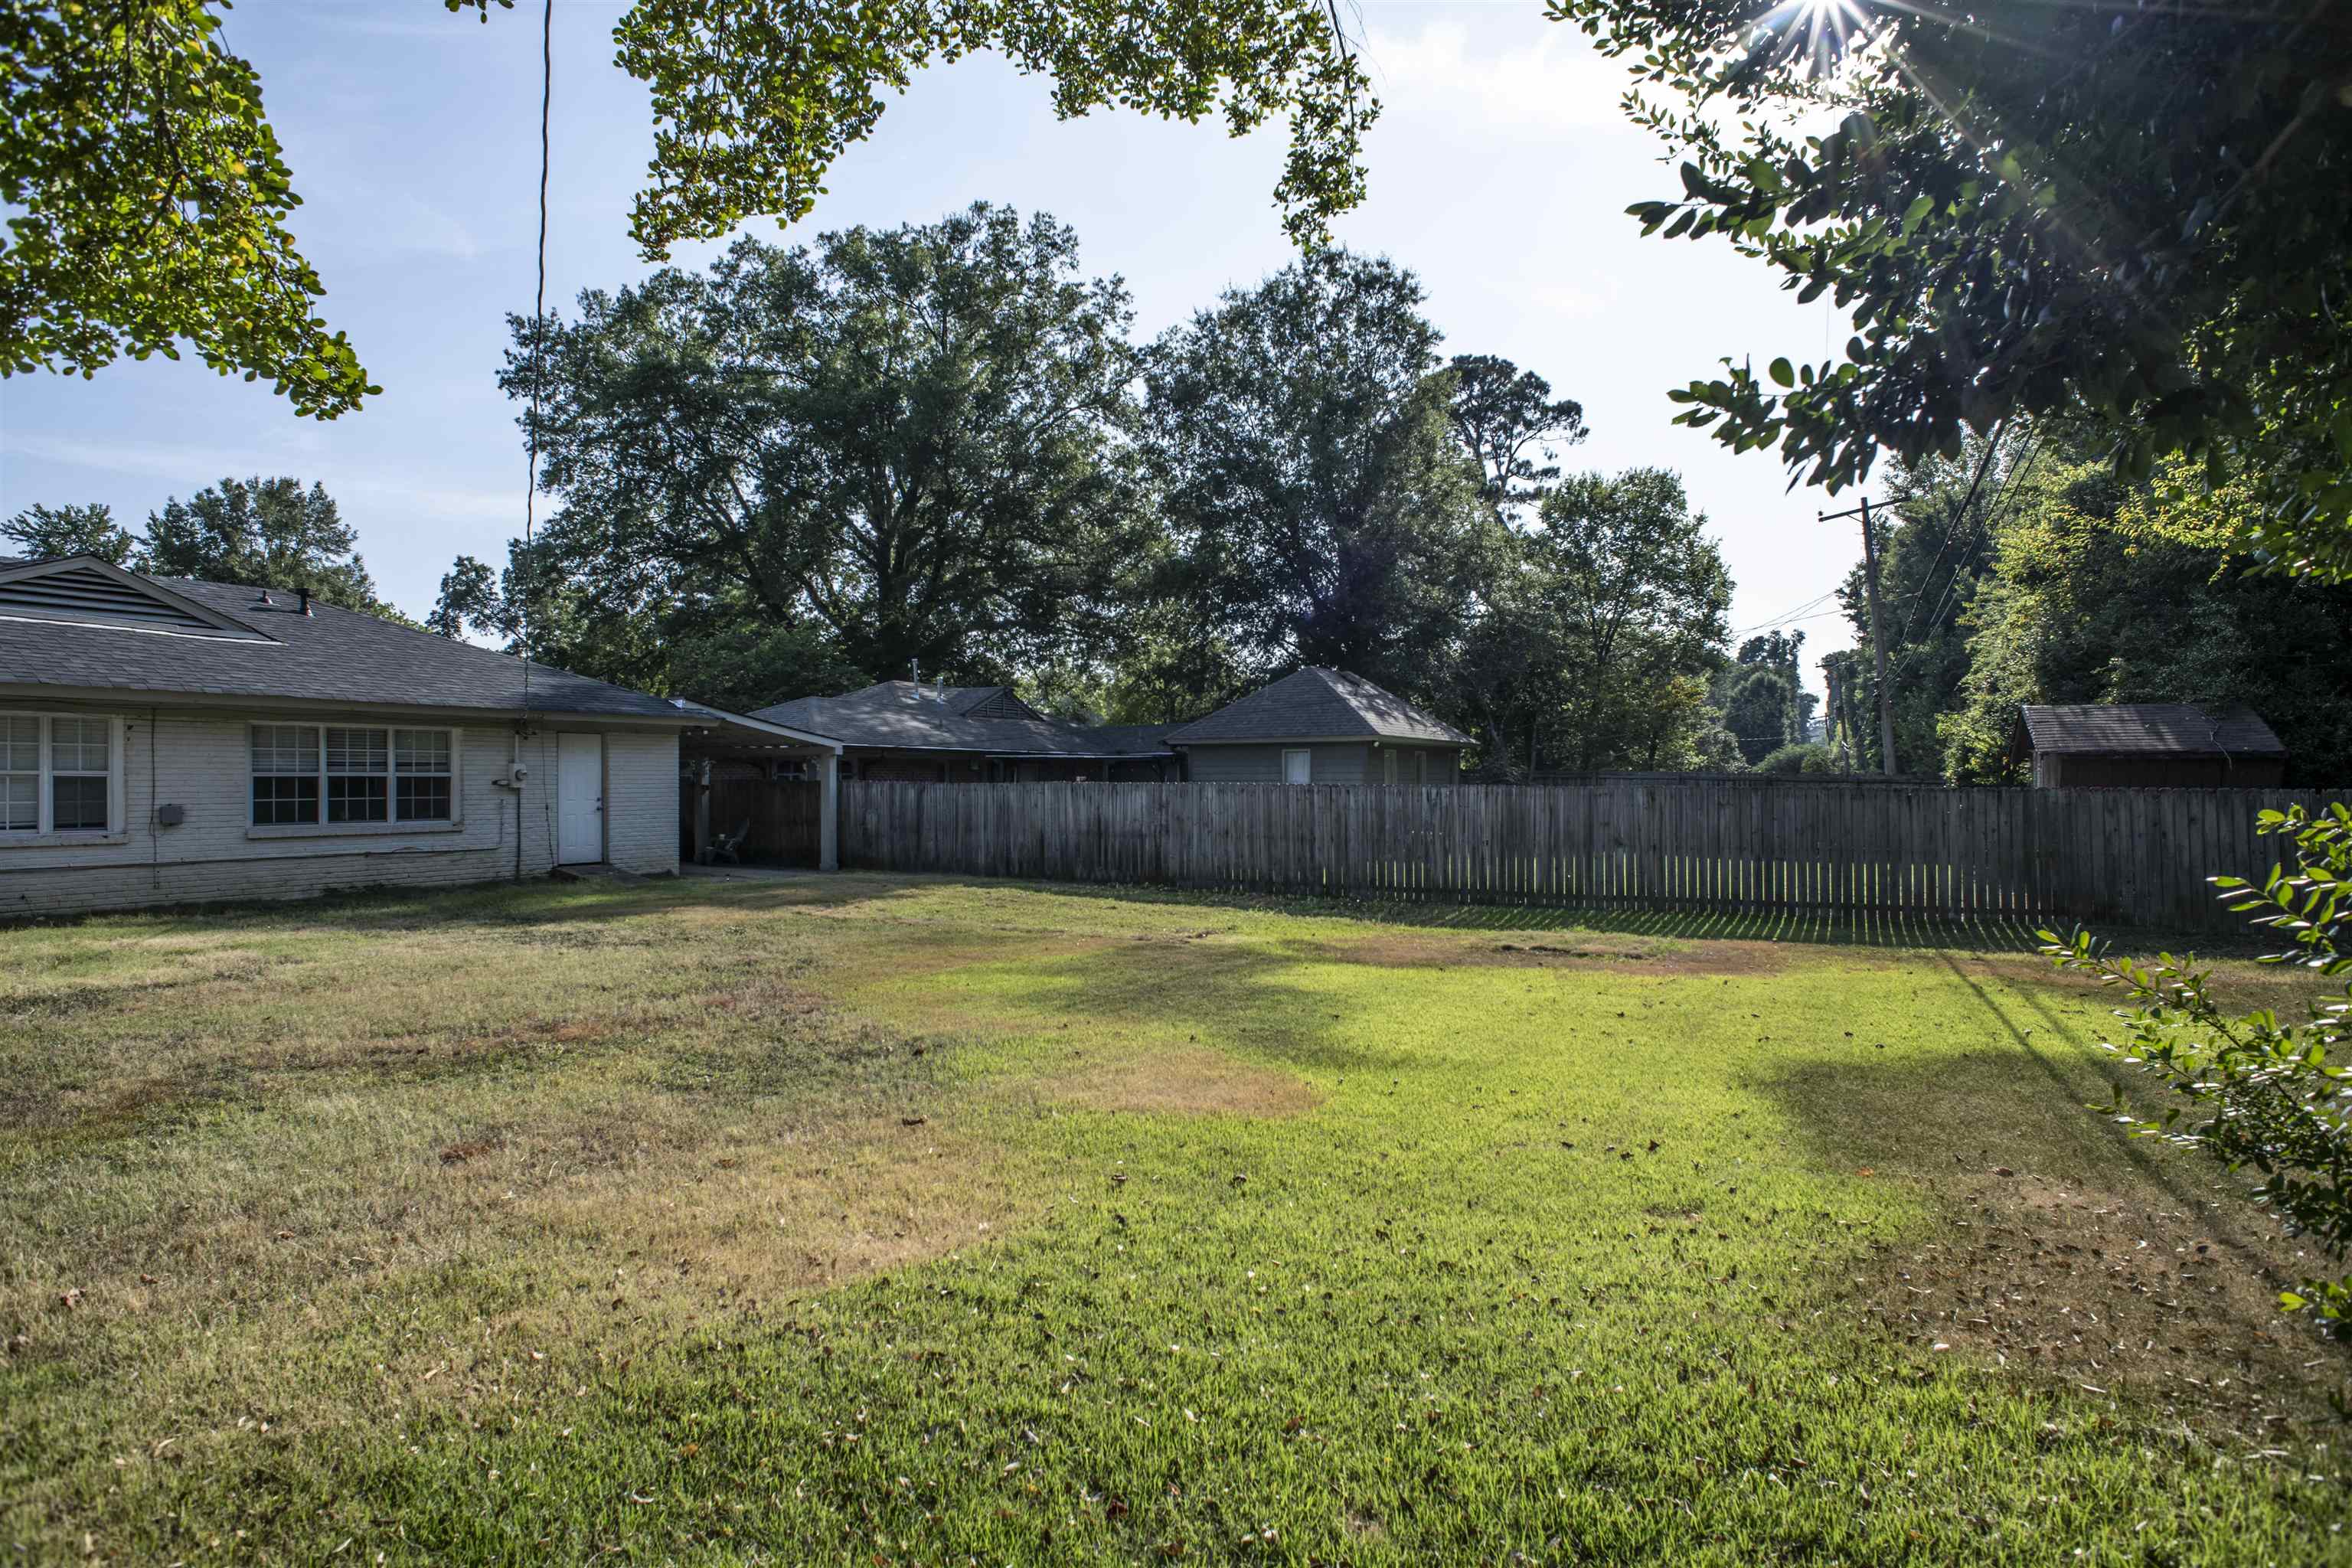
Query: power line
point(539, 339)
point(2014, 478)
point(1795, 615)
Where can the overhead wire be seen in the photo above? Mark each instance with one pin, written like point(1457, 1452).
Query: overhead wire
point(537, 341)
point(530, 443)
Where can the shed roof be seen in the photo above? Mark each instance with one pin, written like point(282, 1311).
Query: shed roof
point(1318, 704)
point(2148, 730)
point(897, 715)
point(233, 641)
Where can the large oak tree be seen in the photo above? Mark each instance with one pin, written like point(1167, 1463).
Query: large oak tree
point(1322, 507)
point(906, 440)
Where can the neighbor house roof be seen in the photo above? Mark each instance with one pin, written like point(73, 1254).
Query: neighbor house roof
point(1318, 704)
point(81, 624)
point(899, 715)
point(2148, 730)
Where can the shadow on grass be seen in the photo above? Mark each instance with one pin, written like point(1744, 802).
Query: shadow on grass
point(534, 902)
point(1811, 927)
point(1237, 995)
point(1995, 1104)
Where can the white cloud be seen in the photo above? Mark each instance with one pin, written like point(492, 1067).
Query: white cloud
point(1556, 84)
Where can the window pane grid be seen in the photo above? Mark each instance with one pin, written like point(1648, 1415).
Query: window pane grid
point(20, 803)
point(358, 752)
point(56, 774)
point(282, 799)
point(284, 749)
point(308, 774)
point(356, 797)
point(20, 745)
point(79, 746)
point(423, 799)
point(422, 751)
point(78, 804)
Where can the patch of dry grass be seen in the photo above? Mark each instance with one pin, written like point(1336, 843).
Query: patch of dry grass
point(1182, 1083)
point(287, 1174)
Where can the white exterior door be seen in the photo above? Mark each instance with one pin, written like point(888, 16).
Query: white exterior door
point(579, 799)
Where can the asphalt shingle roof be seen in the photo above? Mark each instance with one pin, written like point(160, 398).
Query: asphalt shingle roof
point(333, 654)
point(2149, 728)
point(1318, 704)
point(897, 715)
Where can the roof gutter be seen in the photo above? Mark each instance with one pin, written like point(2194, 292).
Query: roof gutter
point(1322, 741)
point(232, 702)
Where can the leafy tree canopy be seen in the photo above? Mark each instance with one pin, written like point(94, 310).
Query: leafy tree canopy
point(1798, 758)
point(1596, 636)
point(2099, 591)
point(151, 195)
point(753, 100)
point(46, 532)
point(1514, 427)
point(149, 202)
point(1755, 704)
point(1324, 511)
point(468, 601)
point(265, 533)
point(261, 533)
point(2142, 216)
point(1935, 546)
point(908, 440)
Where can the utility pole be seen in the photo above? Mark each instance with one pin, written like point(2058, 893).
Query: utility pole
point(1877, 637)
point(1833, 727)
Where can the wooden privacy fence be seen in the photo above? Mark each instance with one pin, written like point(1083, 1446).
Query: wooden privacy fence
point(783, 816)
point(2112, 856)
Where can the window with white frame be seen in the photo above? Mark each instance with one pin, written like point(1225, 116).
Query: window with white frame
point(56, 774)
point(421, 775)
point(344, 775)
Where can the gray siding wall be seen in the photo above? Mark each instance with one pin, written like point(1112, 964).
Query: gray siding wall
point(1342, 764)
point(200, 762)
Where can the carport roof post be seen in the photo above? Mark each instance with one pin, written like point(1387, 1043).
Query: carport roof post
point(723, 732)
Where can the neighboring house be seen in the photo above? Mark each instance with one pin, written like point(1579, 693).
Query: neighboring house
point(1322, 726)
point(2148, 745)
point(163, 741)
point(906, 733)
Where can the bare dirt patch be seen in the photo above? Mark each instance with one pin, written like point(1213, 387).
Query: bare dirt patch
point(2112, 1293)
point(1186, 1083)
point(2239, 985)
point(1647, 955)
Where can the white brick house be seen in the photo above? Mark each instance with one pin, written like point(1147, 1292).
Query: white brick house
point(165, 741)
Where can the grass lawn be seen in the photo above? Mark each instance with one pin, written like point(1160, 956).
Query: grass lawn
point(895, 1220)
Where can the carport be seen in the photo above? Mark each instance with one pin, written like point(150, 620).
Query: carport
point(770, 791)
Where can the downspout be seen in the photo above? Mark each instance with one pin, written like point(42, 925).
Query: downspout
point(154, 833)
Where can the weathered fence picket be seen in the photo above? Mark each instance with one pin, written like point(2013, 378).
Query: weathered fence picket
point(2116, 857)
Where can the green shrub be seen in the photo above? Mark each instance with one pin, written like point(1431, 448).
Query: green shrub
point(2257, 1094)
point(1801, 757)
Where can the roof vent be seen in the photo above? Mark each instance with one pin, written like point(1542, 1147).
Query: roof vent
point(98, 596)
point(263, 598)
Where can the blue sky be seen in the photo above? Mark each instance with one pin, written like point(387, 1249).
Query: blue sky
point(1500, 171)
